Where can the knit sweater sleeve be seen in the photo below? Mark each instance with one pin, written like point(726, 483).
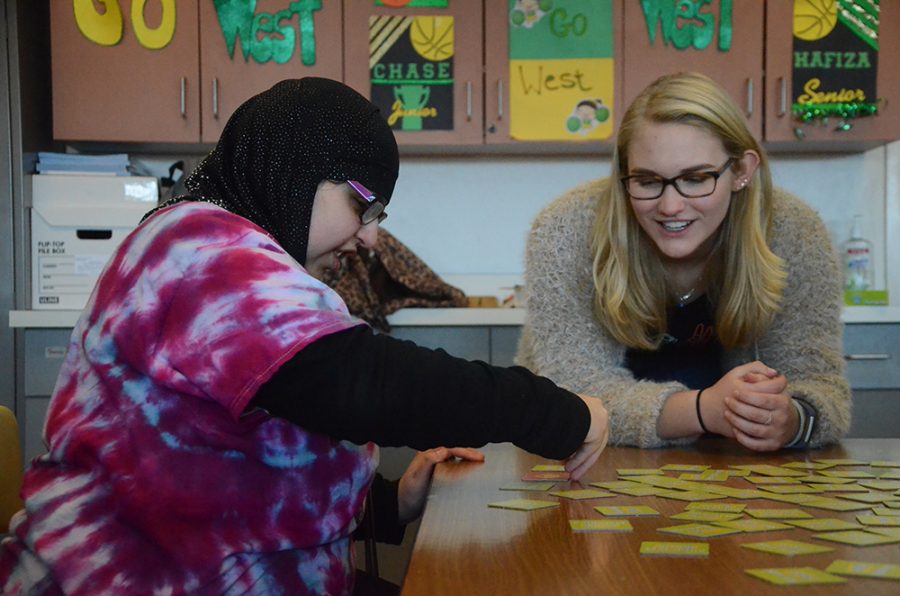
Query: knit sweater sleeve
point(561, 338)
point(805, 339)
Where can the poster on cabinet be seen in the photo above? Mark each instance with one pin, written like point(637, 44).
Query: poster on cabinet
point(411, 70)
point(835, 60)
point(561, 70)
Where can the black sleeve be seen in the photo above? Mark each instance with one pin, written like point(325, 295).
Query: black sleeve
point(382, 518)
point(361, 386)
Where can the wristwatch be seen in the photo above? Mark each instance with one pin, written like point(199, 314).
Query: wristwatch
point(807, 415)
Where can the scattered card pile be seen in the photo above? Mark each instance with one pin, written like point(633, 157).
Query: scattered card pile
point(871, 496)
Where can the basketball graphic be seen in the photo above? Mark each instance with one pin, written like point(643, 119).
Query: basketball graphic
point(814, 19)
point(432, 37)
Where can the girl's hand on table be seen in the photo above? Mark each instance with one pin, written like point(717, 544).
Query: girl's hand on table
point(594, 442)
point(415, 481)
point(740, 378)
point(761, 414)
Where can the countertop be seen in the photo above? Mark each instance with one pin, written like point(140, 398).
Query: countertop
point(431, 317)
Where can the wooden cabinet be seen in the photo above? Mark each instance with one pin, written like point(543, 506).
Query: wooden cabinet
point(422, 66)
point(780, 123)
point(176, 70)
point(109, 86)
point(172, 71)
point(722, 39)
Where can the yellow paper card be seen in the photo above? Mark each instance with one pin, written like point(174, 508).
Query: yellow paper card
point(523, 504)
point(637, 491)
point(822, 479)
point(857, 538)
point(886, 511)
point(847, 474)
point(698, 530)
point(890, 532)
point(637, 471)
point(769, 470)
point(686, 495)
point(753, 525)
point(791, 489)
point(787, 547)
point(585, 493)
point(835, 504)
point(885, 464)
point(879, 520)
point(626, 510)
point(774, 480)
point(871, 497)
point(841, 462)
point(529, 486)
point(675, 549)
point(600, 525)
point(548, 468)
point(723, 507)
point(881, 484)
point(796, 576)
point(843, 488)
point(705, 516)
point(778, 513)
point(823, 524)
point(865, 569)
point(807, 465)
point(684, 467)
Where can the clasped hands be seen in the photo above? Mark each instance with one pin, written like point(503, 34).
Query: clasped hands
point(750, 405)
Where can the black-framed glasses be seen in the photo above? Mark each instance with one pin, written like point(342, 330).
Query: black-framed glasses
point(690, 185)
point(374, 205)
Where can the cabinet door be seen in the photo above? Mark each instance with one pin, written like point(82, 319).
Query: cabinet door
point(780, 122)
point(245, 50)
point(564, 20)
point(125, 74)
point(722, 39)
point(425, 74)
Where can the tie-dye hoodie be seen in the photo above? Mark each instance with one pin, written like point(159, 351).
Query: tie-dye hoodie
point(159, 479)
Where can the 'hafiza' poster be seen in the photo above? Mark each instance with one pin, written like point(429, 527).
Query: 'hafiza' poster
point(835, 53)
point(411, 71)
point(561, 69)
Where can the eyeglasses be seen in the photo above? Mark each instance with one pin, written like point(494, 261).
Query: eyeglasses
point(692, 185)
point(374, 205)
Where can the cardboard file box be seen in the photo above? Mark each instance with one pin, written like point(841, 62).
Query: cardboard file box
point(76, 223)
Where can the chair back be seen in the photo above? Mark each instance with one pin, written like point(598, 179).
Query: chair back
point(10, 468)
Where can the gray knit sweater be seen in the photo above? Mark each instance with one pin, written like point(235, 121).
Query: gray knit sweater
point(562, 340)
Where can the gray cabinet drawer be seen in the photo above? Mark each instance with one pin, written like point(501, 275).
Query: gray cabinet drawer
point(44, 353)
point(471, 343)
point(875, 414)
point(504, 342)
point(872, 351)
point(33, 426)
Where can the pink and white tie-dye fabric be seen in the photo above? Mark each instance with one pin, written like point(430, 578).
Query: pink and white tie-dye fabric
point(158, 478)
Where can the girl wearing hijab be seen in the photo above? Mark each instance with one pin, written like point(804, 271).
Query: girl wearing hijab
point(686, 290)
point(213, 427)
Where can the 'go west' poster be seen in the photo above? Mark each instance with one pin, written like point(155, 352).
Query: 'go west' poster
point(561, 69)
point(411, 70)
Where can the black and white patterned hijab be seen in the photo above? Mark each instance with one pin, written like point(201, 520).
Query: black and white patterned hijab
point(279, 145)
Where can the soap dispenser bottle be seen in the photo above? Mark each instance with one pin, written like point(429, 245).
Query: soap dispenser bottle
point(859, 270)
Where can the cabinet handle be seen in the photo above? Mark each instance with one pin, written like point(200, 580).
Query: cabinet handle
point(468, 100)
point(867, 356)
point(500, 99)
point(782, 92)
point(215, 97)
point(749, 98)
point(183, 98)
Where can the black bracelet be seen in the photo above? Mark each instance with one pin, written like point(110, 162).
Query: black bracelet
point(700, 416)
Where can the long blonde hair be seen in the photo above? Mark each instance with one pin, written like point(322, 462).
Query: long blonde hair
point(630, 297)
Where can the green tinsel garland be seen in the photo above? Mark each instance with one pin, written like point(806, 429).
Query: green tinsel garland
point(807, 112)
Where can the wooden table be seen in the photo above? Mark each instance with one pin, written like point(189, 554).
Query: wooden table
point(465, 548)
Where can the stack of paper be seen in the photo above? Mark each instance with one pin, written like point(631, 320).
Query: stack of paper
point(74, 163)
